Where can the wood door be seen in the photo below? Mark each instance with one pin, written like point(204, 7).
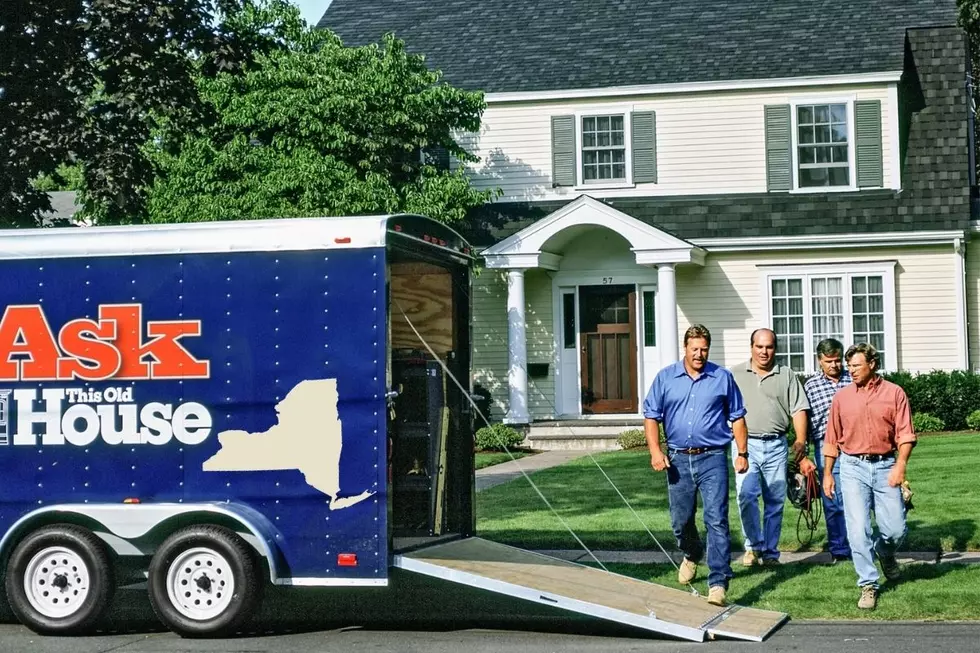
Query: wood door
point(608, 349)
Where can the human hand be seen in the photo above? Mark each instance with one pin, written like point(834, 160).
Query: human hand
point(659, 461)
point(741, 465)
point(799, 449)
point(807, 466)
point(828, 486)
point(897, 476)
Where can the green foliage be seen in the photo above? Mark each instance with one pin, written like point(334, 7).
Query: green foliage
point(969, 19)
point(316, 128)
point(926, 423)
point(65, 177)
point(973, 420)
point(949, 394)
point(498, 437)
point(631, 439)
point(88, 82)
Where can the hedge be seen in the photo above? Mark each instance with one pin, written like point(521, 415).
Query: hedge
point(951, 396)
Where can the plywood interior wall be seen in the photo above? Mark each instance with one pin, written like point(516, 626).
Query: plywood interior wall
point(425, 293)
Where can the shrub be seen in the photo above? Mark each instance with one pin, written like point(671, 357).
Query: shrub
point(949, 394)
point(497, 437)
point(973, 420)
point(926, 423)
point(631, 439)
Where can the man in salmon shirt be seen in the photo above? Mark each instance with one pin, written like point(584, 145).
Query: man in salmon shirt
point(870, 430)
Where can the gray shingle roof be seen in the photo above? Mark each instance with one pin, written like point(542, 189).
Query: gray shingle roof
point(533, 45)
point(935, 170)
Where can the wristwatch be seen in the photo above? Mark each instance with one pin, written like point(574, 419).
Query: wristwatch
point(743, 454)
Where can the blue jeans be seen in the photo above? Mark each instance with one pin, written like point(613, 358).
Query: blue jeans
point(864, 486)
point(766, 478)
point(833, 509)
point(707, 474)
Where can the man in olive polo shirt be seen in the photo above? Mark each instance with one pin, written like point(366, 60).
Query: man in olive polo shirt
point(774, 399)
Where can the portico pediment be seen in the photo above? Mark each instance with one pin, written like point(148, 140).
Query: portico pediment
point(541, 244)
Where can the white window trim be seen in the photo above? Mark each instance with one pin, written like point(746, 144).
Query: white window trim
point(848, 101)
point(885, 269)
point(626, 111)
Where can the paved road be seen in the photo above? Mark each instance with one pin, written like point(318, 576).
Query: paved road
point(422, 615)
point(549, 636)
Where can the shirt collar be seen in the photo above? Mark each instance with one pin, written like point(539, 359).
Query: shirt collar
point(775, 369)
point(845, 377)
point(680, 370)
point(872, 384)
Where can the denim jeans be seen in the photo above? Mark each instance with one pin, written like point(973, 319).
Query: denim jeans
point(707, 474)
point(766, 478)
point(833, 509)
point(864, 486)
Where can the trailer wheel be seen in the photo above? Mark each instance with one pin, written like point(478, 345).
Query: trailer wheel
point(60, 580)
point(204, 582)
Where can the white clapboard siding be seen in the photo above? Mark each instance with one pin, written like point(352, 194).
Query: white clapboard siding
point(973, 301)
point(706, 142)
point(726, 296)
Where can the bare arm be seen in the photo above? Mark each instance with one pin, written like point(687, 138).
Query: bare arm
point(897, 475)
point(741, 433)
point(651, 429)
point(800, 425)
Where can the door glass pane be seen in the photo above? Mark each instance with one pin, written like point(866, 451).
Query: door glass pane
point(868, 310)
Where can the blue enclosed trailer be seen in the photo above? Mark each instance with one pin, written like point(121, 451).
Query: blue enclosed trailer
point(216, 406)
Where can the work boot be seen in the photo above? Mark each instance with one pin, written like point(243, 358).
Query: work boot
point(688, 570)
point(770, 562)
point(751, 559)
point(716, 596)
point(869, 598)
point(889, 567)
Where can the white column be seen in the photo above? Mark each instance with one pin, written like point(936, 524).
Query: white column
point(667, 298)
point(516, 349)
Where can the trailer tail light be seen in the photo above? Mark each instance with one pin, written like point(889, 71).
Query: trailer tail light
point(346, 559)
point(342, 241)
point(131, 500)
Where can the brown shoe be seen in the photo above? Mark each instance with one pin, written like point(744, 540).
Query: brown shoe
point(751, 559)
point(869, 598)
point(687, 572)
point(716, 596)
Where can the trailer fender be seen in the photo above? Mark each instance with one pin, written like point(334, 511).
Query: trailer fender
point(146, 525)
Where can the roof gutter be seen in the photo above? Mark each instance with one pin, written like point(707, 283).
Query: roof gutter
point(694, 87)
point(884, 239)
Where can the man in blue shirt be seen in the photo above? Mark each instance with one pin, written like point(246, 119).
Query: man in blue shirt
point(820, 390)
point(695, 400)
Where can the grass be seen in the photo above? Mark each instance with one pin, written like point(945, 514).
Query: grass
point(942, 472)
point(490, 458)
point(806, 591)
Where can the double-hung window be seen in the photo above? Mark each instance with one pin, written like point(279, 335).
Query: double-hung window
point(851, 304)
point(604, 148)
point(823, 145)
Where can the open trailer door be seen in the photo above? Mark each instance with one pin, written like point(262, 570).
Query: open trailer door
point(586, 590)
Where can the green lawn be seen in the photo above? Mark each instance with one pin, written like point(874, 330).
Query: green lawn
point(489, 458)
point(942, 472)
point(806, 591)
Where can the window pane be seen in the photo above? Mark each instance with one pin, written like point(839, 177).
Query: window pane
point(807, 155)
point(822, 154)
point(616, 123)
point(840, 177)
point(876, 285)
point(619, 171)
point(796, 305)
point(602, 139)
point(795, 288)
point(813, 177)
point(859, 285)
point(822, 133)
point(779, 287)
point(649, 320)
point(787, 320)
point(602, 123)
point(838, 133)
point(804, 114)
point(821, 113)
point(588, 139)
point(805, 134)
point(838, 113)
point(591, 172)
point(590, 158)
point(839, 154)
point(568, 320)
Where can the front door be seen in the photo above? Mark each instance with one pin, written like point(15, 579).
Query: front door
point(607, 315)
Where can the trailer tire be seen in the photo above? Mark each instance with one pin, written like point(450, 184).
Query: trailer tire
point(204, 582)
point(60, 580)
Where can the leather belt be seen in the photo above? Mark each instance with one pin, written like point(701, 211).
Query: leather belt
point(872, 457)
point(695, 451)
point(766, 436)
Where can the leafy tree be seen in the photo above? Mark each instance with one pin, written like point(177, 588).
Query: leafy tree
point(317, 128)
point(969, 20)
point(86, 81)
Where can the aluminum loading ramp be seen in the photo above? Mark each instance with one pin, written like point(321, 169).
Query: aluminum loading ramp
point(586, 590)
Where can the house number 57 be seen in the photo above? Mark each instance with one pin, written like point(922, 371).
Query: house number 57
point(607, 280)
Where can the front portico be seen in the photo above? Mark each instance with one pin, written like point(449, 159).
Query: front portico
point(613, 301)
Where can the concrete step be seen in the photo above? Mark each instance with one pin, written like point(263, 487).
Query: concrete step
point(578, 434)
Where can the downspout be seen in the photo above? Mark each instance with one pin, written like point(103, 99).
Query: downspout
point(959, 250)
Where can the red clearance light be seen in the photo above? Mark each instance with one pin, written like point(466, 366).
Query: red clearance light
point(131, 500)
point(342, 241)
point(346, 559)
point(427, 238)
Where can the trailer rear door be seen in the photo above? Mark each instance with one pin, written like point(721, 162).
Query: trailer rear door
point(586, 590)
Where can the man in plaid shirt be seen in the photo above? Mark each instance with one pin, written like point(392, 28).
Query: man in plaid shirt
point(820, 390)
